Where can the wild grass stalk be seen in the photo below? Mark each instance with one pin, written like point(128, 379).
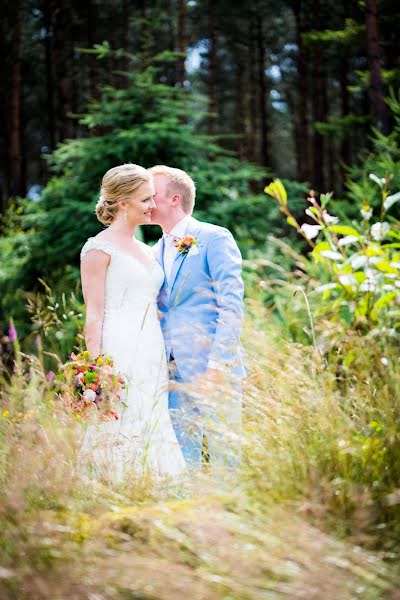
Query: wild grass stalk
point(312, 512)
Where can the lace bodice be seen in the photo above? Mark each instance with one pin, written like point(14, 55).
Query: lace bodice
point(129, 282)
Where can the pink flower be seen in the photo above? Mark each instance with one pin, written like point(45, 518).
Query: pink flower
point(12, 332)
point(50, 376)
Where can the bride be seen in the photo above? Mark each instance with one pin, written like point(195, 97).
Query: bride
point(120, 281)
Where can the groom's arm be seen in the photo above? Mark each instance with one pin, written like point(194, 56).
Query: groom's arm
point(225, 267)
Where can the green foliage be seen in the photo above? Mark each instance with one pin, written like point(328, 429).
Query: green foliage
point(252, 218)
point(339, 127)
point(354, 270)
point(352, 31)
point(382, 160)
point(147, 123)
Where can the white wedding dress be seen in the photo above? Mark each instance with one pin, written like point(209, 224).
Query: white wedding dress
point(142, 442)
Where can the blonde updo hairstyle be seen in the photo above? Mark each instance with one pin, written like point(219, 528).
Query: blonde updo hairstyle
point(119, 183)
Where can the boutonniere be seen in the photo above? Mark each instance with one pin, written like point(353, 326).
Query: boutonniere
point(186, 243)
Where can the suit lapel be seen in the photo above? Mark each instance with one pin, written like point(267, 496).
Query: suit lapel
point(193, 230)
point(179, 258)
point(159, 252)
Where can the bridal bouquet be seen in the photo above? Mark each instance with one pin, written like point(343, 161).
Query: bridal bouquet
point(85, 384)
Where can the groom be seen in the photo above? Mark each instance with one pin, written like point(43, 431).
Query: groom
point(201, 303)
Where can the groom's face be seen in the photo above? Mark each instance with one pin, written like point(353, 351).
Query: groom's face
point(162, 199)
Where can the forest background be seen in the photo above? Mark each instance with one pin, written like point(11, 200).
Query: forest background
point(287, 116)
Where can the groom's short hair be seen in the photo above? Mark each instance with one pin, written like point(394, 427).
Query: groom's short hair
point(178, 182)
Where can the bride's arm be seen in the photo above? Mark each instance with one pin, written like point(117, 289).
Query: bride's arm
point(93, 273)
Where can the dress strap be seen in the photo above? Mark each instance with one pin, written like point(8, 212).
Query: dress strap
point(95, 243)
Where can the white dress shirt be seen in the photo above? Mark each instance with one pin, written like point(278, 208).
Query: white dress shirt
point(170, 250)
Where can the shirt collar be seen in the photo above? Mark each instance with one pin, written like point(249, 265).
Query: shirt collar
point(180, 228)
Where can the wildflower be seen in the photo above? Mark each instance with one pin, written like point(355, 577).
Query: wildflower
point(186, 243)
point(366, 212)
point(390, 200)
point(310, 231)
point(89, 395)
point(329, 219)
point(50, 376)
point(12, 332)
point(6, 413)
point(380, 230)
point(379, 180)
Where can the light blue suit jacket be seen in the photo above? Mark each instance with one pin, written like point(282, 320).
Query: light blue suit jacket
point(202, 304)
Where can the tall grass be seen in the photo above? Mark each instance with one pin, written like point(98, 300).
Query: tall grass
point(312, 513)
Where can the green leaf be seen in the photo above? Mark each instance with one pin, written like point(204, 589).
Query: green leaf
point(344, 230)
point(320, 247)
point(292, 222)
point(360, 276)
point(276, 189)
point(385, 267)
point(383, 302)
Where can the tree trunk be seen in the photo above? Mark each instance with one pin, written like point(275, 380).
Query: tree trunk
point(125, 39)
point(303, 142)
point(145, 42)
point(48, 26)
point(264, 146)
point(378, 106)
point(318, 180)
point(181, 43)
point(240, 95)
point(345, 146)
point(252, 143)
point(4, 108)
point(212, 75)
point(17, 179)
point(61, 66)
point(92, 61)
point(330, 161)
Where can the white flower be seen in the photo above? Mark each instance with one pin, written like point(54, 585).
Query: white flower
point(347, 279)
point(379, 230)
point(310, 231)
point(372, 274)
point(89, 395)
point(329, 218)
point(379, 180)
point(325, 286)
point(348, 239)
point(310, 213)
point(366, 214)
point(390, 200)
point(358, 262)
point(331, 254)
point(384, 361)
point(368, 286)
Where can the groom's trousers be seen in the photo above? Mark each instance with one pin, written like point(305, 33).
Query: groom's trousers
point(198, 411)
